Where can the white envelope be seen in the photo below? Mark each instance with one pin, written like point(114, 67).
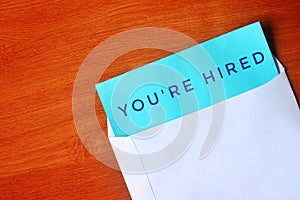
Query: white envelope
point(256, 156)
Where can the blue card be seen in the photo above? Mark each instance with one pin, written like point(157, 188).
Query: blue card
point(188, 81)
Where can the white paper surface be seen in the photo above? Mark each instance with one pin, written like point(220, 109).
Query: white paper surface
point(257, 156)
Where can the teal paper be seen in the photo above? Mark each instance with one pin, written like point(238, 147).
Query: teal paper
point(187, 81)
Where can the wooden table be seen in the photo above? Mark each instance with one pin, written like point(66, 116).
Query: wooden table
point(42, 45)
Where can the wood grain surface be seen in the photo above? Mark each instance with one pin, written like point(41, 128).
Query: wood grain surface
point(42, 45)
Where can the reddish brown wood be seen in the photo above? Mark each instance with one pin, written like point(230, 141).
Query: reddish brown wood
point(42, 45)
